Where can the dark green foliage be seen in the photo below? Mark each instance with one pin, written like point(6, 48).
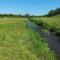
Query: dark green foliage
point(11, 15)
point(40, 23)
point(46, 25)
point(57, 11)
point(27, 15)
point(54, 12)
point(51, 13)
point(57, 34)
point(52, 29)
point(18, 15)
point(31, 19)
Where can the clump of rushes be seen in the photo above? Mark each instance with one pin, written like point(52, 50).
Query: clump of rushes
point(42, 24)
point(52, 29)
point(58, 32)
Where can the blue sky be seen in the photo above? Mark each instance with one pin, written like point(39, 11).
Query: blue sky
point(33, 7)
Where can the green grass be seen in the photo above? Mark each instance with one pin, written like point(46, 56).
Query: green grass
point(19, 42)
point(52, 21)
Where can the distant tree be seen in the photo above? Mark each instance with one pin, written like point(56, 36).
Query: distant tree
point(51, 13)
point(27, 15)
point(54, 12)
point(57, 11)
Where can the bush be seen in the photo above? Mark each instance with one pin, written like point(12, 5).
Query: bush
point(43, 25)
point(52, 29)
point(31, 20)
point(46, 25)
point(40, 23)
point(57, 34)
point(53, 12)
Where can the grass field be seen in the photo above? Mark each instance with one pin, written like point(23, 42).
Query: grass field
point(52, 21)
point(19, 42)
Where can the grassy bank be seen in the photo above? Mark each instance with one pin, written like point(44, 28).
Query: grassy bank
point(50, 23)
point(19, 42)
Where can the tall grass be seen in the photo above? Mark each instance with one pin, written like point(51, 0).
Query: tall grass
point(19, 42)
point(52, 24)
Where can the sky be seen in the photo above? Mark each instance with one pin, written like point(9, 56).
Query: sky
point(33, 7)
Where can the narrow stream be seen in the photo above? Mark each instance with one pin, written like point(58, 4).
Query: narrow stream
point(51, 40)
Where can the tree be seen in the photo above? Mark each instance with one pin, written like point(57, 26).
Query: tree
point(51, 13)
point(54, 12)
point(27, 15)
point(57, 11)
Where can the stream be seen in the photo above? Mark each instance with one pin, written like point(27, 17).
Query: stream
point(50, 39)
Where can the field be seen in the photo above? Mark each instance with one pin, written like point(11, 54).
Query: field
point(19, 42)
point(51, 22)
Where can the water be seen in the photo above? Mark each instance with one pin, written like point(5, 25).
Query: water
point(50, 39)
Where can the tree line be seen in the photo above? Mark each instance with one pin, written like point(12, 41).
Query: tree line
point(10, 15)
point(50, 13)
point(53, 12)
point(17, 16)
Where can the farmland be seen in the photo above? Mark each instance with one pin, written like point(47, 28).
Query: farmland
point(19, 42)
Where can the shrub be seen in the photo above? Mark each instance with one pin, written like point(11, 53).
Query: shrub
point(53, 12)
point(57, 34)
point(40, 24)
point(52, 29)
point(43, 25)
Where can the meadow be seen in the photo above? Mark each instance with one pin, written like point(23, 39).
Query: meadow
point(53, 21)
point(51, 24)
point(19, 42)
